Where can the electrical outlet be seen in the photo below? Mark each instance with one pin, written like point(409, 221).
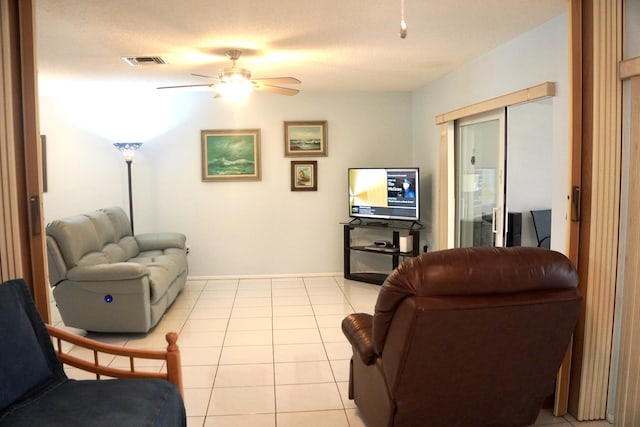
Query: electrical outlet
point(188, 248)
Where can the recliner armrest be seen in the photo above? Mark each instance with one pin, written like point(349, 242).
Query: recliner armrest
point(357, 328)
point(160, 241)
point(108, 272)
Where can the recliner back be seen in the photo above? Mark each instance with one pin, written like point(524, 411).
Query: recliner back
point(471, 272)
point(473, 341)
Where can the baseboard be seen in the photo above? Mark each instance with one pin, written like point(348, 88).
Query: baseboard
point(265, 276)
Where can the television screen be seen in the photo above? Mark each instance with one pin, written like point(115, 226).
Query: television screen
point(384, 193)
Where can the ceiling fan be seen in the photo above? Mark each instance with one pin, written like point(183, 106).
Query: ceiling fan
point(236, 82)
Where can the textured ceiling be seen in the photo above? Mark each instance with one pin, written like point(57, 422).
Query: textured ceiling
point(330, 45)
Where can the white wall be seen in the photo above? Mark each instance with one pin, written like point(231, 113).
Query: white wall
point(233, 228)
point(535, 57)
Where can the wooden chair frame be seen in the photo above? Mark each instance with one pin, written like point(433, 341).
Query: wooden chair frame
point(171, 357)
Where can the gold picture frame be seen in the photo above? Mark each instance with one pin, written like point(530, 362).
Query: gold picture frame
point(305, 138)
point(304, 175)
point(231, 155)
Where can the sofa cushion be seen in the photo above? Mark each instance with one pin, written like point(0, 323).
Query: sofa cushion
point(103, 403)
point(115, 253)
point(130, 247)
point(76, 236)
point(161, 241)
point(104, 227)
point(92, 258)
point(24, 366)
point(163, 268)
point(119, 220)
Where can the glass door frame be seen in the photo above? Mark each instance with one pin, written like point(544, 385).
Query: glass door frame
point(498, 214)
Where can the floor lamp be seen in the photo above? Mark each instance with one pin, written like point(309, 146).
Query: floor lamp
point(128, 149)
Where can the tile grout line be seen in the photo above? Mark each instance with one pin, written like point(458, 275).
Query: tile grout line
point(324, 347)
point(273, 358)
point(235, 296)
point(353, 311)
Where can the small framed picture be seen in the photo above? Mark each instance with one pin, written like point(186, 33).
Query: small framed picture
point(305, 138)
point(231, 155)
point(304, 175)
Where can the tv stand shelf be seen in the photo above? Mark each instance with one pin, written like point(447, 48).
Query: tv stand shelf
point(395, 231)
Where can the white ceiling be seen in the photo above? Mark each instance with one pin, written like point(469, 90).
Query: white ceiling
point(327, 44)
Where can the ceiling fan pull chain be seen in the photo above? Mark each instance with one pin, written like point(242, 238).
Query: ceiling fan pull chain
point(403, 23)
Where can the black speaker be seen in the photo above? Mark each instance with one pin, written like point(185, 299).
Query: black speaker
point(514, 229)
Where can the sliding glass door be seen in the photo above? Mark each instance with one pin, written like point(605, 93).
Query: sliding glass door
point(480, 189)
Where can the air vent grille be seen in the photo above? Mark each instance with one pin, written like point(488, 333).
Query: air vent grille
point(136, 61)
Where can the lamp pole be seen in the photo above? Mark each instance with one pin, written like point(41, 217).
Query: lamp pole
point(128, 149)
point(129, 161)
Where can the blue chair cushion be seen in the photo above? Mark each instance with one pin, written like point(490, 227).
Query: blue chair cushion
point(103, 403)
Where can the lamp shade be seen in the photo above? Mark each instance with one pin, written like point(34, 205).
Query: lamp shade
point(128, 149)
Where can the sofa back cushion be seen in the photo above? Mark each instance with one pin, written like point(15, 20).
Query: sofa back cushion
point(27, 360)
point(120, 222)
point(98, 237)
point(122, 232)
point(76, 237)
point(104, 227)
point(129, 246)
point(111, 250)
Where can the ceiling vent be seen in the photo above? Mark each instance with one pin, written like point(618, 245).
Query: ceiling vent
point(136, 61)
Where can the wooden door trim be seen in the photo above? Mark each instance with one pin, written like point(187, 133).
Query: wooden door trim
point(542, 90)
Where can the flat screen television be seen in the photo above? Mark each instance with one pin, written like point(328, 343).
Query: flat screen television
point(384, 193)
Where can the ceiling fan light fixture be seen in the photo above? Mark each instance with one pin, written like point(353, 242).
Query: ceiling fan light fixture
point(235, 90)
point(234, 74)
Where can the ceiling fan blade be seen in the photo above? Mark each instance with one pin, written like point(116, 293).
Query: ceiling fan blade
point(276, 89)
point(201, 75)
point(278, 80)
point(180, 86)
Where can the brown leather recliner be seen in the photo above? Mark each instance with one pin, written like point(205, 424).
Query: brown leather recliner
point(464, 337)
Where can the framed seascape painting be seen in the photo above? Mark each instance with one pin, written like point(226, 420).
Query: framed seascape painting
point(304, 175)
point(305, 138)
point(231, 155)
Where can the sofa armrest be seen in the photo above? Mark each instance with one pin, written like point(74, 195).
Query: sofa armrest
point(108, 272)
point(170, 357)
point(357, 328)
point(159, 241)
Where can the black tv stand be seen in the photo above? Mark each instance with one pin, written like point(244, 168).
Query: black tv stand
point(415, 225)
point(376, 224)
point(369, 223)
point(396, 230)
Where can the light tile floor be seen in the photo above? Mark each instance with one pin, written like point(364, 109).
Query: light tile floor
point(267, 352)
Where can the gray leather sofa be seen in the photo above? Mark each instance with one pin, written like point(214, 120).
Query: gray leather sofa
point(107, 280)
